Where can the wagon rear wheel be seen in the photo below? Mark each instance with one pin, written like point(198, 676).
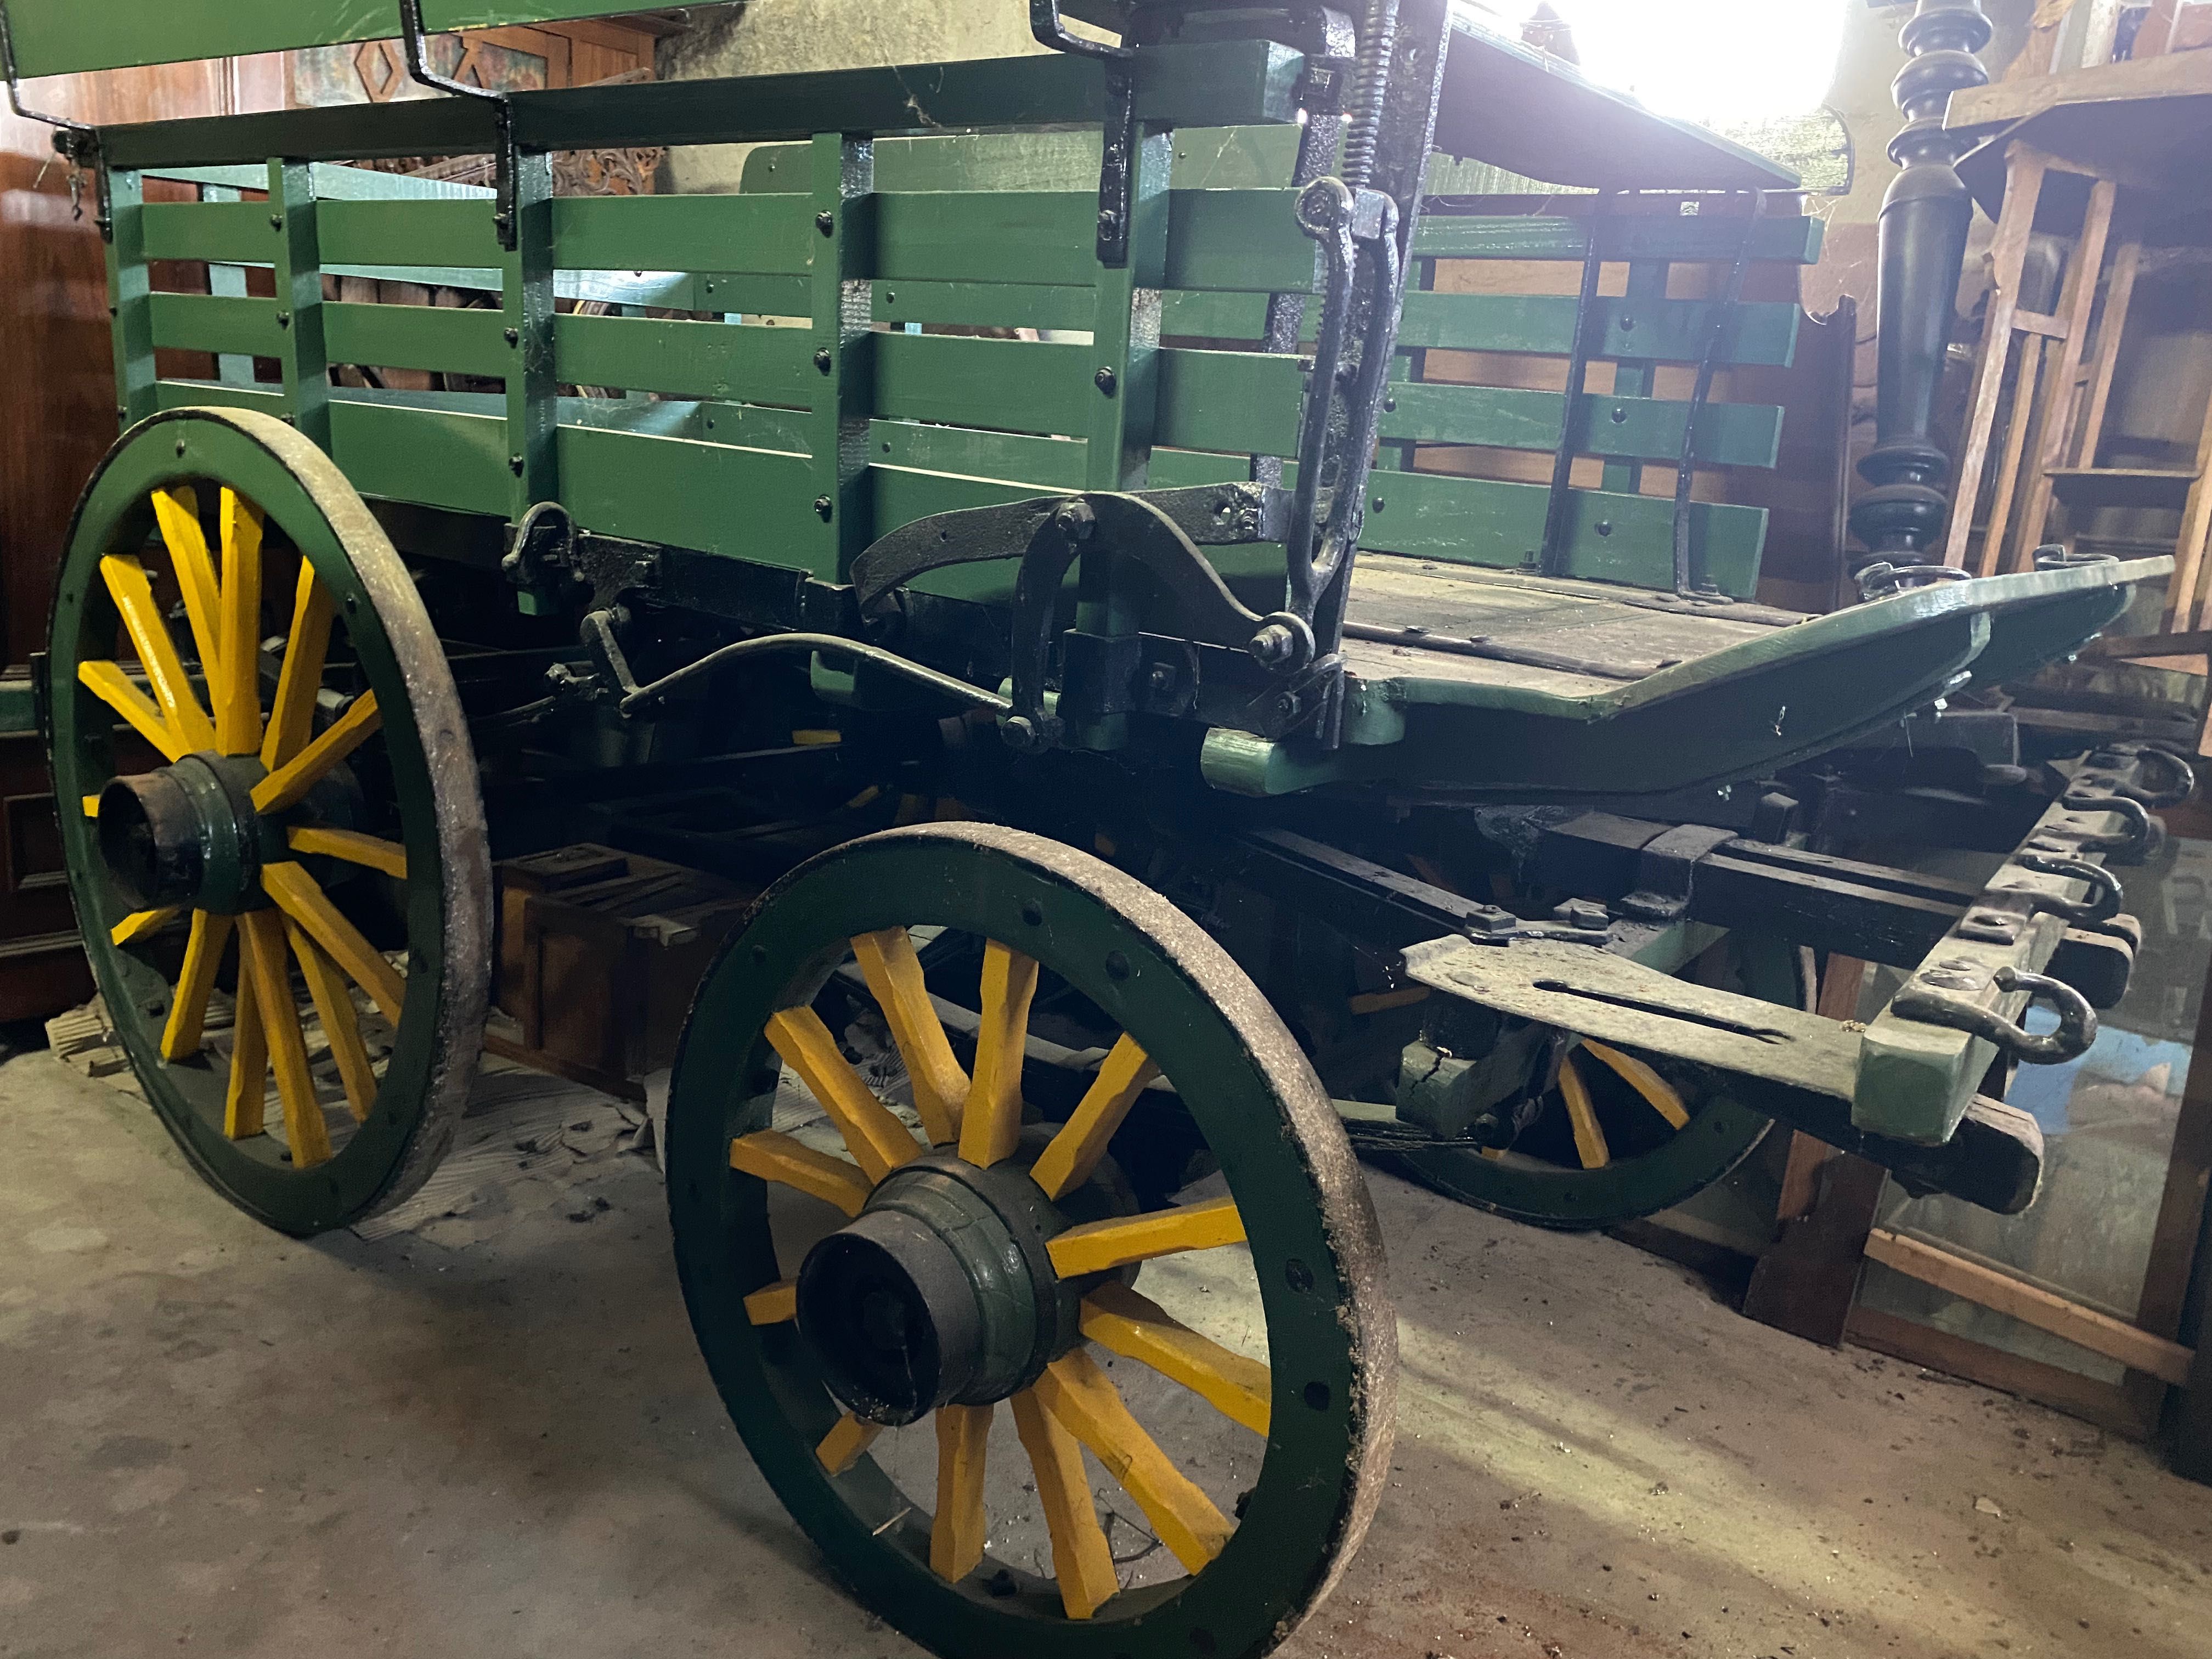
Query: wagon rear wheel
point(298, 892)
point(877, 1257)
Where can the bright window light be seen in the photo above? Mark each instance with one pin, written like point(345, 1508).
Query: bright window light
point(1725, 63)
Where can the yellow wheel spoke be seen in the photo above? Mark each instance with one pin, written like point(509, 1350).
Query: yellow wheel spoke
point(957, 1533)
point(991, 1123)
point(1084, 1400)
point(773, 1155)
point(1075, 1150)
point(289, 784)
point(157, 652)
point(351, 846)
point(1136, 1328)
point(246, 1092)
point(842, 1447)
point(1654, 1089)
point(119, 692)
point(1080, 1558)
point(92, 806)
point(1097, 1245)
point(292, 716)
point(139, 923)
point(878, 1140)
point(180, 1037)
point(1590, 1134)
point(301, 897)
point(177, 513)
point(773, 1304)
point(341, 1024)
point(237, 695)
point(262, 938)
point(893, 971)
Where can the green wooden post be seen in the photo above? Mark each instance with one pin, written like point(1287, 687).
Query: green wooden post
point(527, 303)
point(298, 271)
point(231, 367)
point(128, 287)
point(842, 253)
point(1631, 378)
point(1125, 372)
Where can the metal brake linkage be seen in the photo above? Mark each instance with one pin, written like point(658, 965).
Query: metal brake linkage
point(505, 161)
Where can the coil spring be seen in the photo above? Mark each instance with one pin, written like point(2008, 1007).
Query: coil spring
point(1372, 77)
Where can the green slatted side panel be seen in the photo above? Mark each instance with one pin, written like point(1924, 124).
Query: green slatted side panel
point(955, 416)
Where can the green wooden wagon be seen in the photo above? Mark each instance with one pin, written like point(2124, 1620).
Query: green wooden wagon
point(1021, 421)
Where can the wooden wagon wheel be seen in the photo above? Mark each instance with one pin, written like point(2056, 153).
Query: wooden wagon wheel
point(923, 1270)
point(1613, 1139)
point(301, 810)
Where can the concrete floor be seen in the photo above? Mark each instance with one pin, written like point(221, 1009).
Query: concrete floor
point(216, 1439)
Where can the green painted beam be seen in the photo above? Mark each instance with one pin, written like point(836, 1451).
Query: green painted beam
point(1452, 236)
point(1018, 385)
point(1238, 82)
point(1638, 429)
point(456, 340)
point(719, 360)
point(63, 37)
point(428, 232)
point(217, 323)
point(992, 305)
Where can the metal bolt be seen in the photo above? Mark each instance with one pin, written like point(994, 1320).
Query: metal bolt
point(514, 464)
point(1020, 733)
point(1628, 326)
point(1107, 381)
point(275, 221)
point(1162, 679)
point(826, 223)
point(284, 319)
point(1619, 414)
point(1605, 526)
point(180, 449)
point(1285, 706)
point(824, 360)
point(1390, 406)
point(825, 507)
point(1075, 520)
point(514, 336)
point(1272, 644)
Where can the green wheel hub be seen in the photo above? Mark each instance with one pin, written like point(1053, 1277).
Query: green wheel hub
point(955, 1282)
point(261, 535)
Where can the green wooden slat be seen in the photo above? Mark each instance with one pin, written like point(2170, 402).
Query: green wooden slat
point(433, 458)
point(987, 305)
point(1043, 462)
point(58, 37)
point(1205, 158)
point(746, 502)
point(1023, 235)
point(408, 233)
point(1243, 241)
point(1643, 429)
point(1498, 524)
point(458, 341)
point(752, 233)
point(1663, 330)
point(1449, 236)
point(691, 360)
point(748, 292)
point(228, 233)
point(1244, 402)
point(199, 394)
point(335, 182)
point(209, 322)
point(1014, 385)
point(749, 426)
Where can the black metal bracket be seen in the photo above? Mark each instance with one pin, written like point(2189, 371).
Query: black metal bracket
point(507, 157)
point(1947, 995)
point(74, 140)
point(1118, 150)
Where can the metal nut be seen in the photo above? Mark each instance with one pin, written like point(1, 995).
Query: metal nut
point(1020, 732)
point(1076, 521)
point(824, 361)
point(1107, 381)
point(1272, 644)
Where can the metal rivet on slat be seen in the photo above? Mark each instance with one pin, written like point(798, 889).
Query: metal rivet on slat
point(826, 223)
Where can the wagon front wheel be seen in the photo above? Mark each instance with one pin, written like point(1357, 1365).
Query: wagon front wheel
point(1020, 1409)
point(297, 891)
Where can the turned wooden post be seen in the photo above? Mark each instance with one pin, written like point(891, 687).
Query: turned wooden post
point(1924, 220)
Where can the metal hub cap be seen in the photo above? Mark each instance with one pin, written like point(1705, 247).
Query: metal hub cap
point(940, 1293)
point(188, 835)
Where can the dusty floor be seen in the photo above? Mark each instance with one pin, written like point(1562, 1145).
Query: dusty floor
point(214, 1439)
